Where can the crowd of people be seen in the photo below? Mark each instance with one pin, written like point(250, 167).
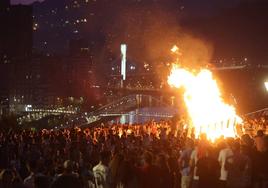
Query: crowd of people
point(252, 125)
point(152, 155)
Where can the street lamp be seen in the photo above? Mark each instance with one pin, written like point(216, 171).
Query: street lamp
point(266, 85)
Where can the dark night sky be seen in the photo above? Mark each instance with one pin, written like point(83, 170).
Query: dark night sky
point(206, 19)
point(204, 7)
point(207, 4)
point(23, 1)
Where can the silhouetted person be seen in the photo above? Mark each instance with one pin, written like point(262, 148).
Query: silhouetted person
point(41, 182)
point(67, 181)
point(149, 174)
point(208, 170)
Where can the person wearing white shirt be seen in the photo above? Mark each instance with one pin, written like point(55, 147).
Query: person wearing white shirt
point(102, 172)
point(224, 155)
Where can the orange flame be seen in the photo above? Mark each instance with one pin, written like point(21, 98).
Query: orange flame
point(207, 110)
point(174, 49)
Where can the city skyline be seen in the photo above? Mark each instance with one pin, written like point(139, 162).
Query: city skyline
point(70, 49)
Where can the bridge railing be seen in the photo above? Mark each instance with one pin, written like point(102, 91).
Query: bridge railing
point(262, 112)
point(52, 111)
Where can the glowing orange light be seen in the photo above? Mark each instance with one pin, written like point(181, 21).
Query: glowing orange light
point(120, 133)
point(174, 49)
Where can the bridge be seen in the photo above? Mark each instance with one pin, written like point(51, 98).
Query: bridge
point(132, 105)
point(116, 108)
point(29, 114)
point(258, 113)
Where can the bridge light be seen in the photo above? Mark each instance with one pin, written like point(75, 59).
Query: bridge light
point(266, 85)
point(28, 108)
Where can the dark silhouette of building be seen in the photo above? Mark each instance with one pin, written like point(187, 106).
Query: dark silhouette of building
point(16, 39)
point(16, 34)
point(79, 47)
point(4, 3)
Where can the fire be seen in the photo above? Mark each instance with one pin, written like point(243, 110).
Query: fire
point(174, 49)
point(208, 112)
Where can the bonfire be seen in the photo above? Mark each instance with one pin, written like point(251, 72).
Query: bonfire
point(208, 112)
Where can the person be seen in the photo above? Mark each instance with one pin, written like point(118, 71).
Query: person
point(41, 182)
point(68, 169)
point(67, 181)
point(208, 170)
point(33, 169)
point(239, 168)
point(247, 143)
point(127, 172)
point(101, 171)
point(259, 141)
point(164, 174)
point(224, 154)
point(114, 166)
point(6, 179)
point(197, 153)
point(148, 172)
point(184, 164)
point(260, 166)
point(68, 178)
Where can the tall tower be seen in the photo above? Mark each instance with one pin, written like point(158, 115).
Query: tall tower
point(124, 61)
